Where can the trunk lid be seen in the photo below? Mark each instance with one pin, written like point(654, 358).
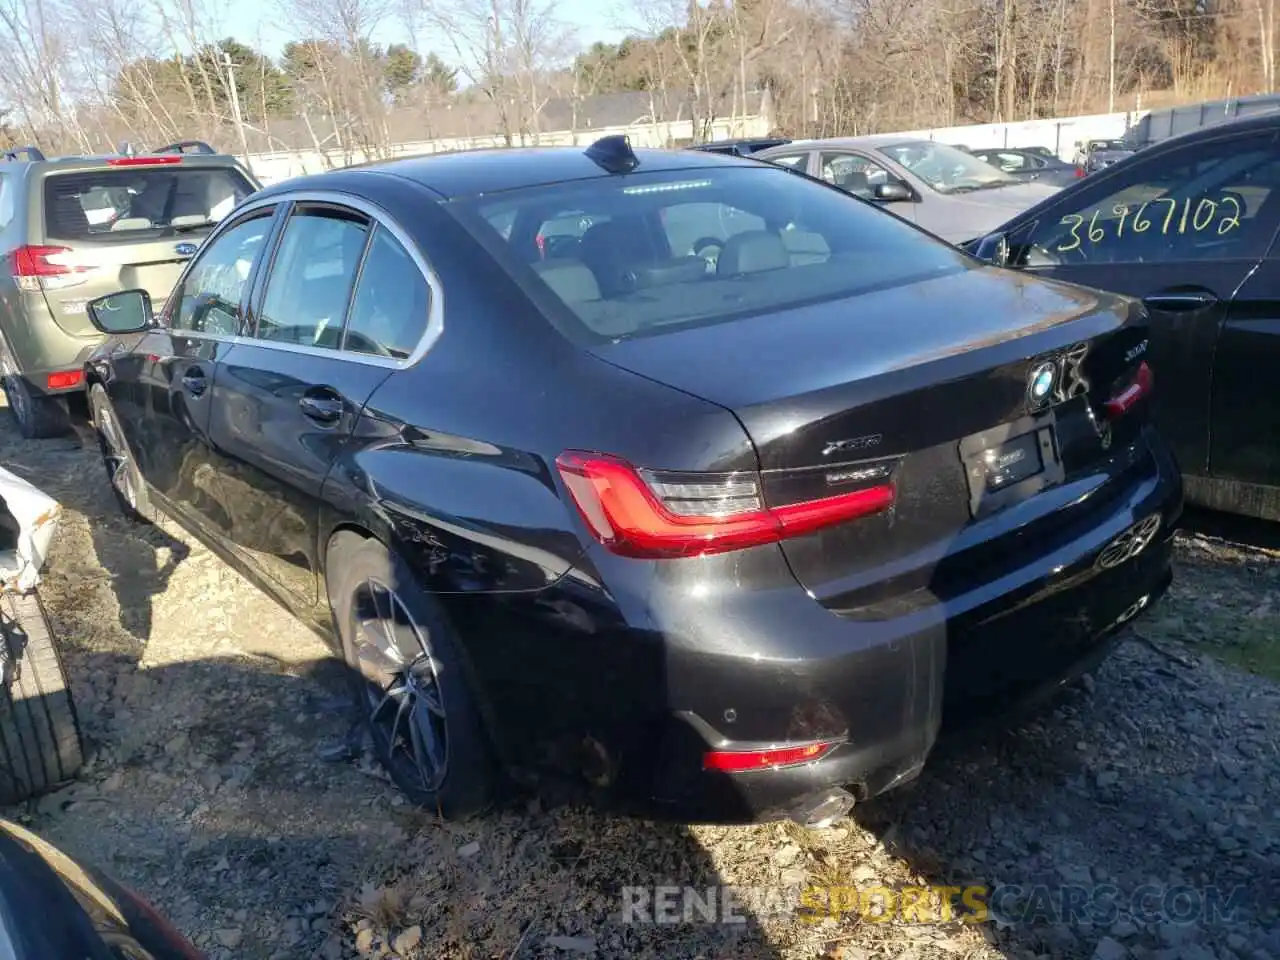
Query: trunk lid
point(928, 383)
point(107, 268)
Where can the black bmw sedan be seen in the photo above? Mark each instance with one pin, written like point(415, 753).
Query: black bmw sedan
point(686, 476)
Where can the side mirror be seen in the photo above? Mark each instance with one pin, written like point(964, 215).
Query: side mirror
point(994, 249)
point(894, 191)
point(126, 312)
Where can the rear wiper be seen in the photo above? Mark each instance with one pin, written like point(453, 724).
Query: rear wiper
point(180, 227)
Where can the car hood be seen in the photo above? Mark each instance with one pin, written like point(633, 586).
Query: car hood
point(972, 215)
point(1016, 196)
point(1111, 156)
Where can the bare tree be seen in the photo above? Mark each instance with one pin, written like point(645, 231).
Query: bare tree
point(347, 66)
point(506, 50)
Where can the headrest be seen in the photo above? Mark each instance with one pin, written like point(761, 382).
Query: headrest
point(570, 280)
point(752, 252)
point(855, 181)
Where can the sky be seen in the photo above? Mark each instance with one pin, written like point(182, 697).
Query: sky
point(257, 22)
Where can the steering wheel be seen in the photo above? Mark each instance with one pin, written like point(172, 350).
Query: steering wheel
point(702, 245)
point(365, 344)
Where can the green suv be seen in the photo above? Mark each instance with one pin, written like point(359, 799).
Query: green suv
point(76, 228)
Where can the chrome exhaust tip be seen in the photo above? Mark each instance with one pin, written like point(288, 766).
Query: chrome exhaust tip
point(824, 809)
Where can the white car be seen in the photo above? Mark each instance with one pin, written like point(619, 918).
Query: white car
point(40, 744)
point(943, 189)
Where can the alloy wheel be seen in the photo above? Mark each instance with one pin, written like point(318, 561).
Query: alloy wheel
point(402, 687)
point(120, 469)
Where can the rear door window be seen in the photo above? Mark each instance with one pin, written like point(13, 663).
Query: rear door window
point(389, 312)
point(130, 203)
point(312, 276)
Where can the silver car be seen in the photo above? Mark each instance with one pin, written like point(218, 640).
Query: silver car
point(946, 191)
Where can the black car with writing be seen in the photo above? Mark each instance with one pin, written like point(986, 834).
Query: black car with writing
point(54, 908)
point(717, 505)
point(1189, 226)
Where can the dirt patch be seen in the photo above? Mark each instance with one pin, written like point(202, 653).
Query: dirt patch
point(211, 713)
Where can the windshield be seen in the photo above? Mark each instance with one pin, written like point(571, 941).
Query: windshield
point(1097, 145)
point(612, 258)
point(945, 168)
point(132, 203)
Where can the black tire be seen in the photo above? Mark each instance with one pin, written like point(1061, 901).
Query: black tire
point(37, 416)
point(40, 743)
point(427, 645)
point(122, 472)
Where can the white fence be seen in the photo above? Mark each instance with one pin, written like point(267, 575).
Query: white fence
point(1059, 135)
point(273, 167)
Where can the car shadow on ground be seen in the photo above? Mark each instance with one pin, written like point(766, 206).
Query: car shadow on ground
point(139, 559)
point(1065, 836)
point(210, 794)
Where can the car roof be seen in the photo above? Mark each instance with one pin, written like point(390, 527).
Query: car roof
point(740, 141)
point(465, 173)
point(871, 140)
point(1268, 120)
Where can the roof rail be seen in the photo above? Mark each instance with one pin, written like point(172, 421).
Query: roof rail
point(187, 146)
point(24, 153)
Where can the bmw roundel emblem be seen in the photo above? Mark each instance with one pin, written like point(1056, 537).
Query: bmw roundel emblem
point(185, 249)
point(1040, 386)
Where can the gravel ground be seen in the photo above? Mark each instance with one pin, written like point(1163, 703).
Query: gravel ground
point(212, 719)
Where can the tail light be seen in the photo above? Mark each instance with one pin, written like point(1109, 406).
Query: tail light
point(64, 379)
point(1140, 387)
point(40, 268)
point(141, 161)
point(738, 761)
point(655, 514)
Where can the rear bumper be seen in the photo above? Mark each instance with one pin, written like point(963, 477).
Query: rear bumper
point(895, 682)
point(41, 347)
point(689, 662)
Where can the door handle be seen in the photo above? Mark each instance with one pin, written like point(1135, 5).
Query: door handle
point(1181, 300)
point(322, 406)
point(194, 381)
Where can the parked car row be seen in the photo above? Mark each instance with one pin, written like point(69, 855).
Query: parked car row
point(696, 479)
point(947, 191)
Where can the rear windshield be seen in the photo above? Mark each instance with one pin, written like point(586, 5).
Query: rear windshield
point(619, 257)
point(133, 203)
